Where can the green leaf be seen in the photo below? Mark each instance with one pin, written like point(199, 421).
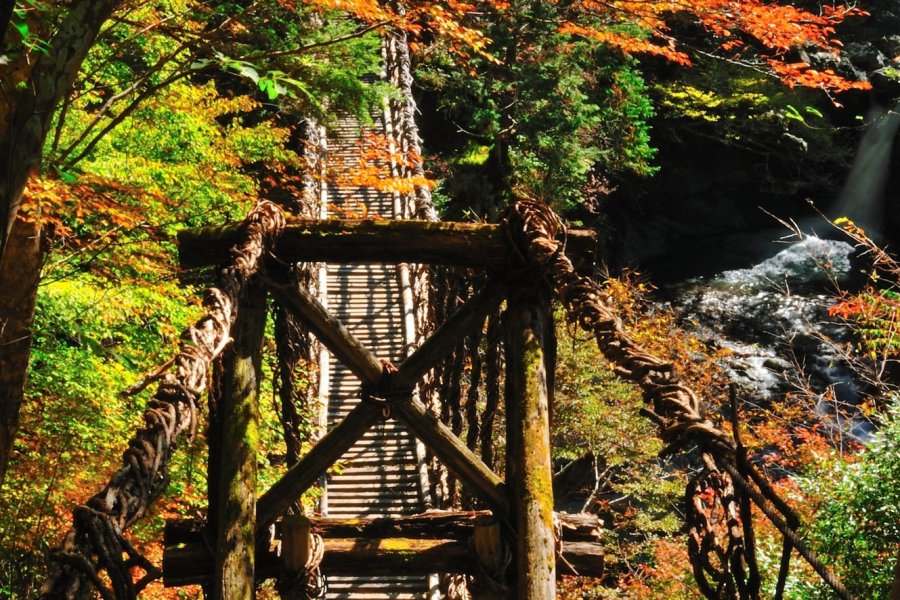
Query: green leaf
point(792, 113)
point(247, 70)
point(814, 111)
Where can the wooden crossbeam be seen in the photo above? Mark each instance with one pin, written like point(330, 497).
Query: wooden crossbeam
point(328, 329)
point(376, 241)
point(190, 564)
point(313, 465)
point(455, 455)
point(454, 330)
point(451, 450)
point(415, 544)
point(459, 525)
point(434, 434)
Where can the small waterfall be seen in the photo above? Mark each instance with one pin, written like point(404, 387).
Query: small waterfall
point(862, 199)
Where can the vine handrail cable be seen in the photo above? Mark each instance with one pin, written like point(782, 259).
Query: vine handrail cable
point(96, 541)
point(539, 235)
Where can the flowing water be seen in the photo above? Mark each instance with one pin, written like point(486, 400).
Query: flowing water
point(862, 199)
point(772, 316)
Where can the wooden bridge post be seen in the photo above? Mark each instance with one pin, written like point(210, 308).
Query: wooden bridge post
point(238, 421)
point(528, 463)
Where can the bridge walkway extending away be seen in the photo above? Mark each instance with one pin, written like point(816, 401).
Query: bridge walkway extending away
point(380, 475)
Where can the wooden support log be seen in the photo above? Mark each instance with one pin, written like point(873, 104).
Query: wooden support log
point(487, 542)
point(295, 542)
point(455, 455)
point(191, 564)
point(368, 241)
point(313, 465)
point(492, 557)
point(238, 418)
point(580, 527)
point(448, 336)
point(529, 469)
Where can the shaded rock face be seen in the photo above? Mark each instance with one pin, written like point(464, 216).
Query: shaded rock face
point(707, 210)
point(874, 52)
point(706, 201)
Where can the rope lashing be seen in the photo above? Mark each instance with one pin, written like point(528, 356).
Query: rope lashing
point(385, 399)
point(385, 395)
point(309, 583)
point(96, 541)
point(539, 237)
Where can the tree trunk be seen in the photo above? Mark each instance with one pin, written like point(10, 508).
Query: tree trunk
point(19, 275)
point(32, 110)
point(22, 135)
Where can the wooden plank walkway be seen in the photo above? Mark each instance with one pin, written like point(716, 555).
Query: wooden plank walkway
point(379, 476)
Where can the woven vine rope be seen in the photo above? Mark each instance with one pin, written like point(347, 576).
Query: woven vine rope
point(96, 542)
point(720, 532)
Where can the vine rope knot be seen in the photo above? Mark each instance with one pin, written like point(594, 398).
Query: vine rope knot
point(309, 583)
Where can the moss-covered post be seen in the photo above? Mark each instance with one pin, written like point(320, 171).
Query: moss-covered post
point(528, 468)
point(238, 422)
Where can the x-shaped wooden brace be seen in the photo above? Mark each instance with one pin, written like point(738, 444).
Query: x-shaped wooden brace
point(373, 374)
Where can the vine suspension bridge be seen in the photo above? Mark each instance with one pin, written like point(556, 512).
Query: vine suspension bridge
point(396, 304)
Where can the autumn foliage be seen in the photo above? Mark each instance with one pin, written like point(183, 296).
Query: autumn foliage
point(762, 34)
point(178, 121)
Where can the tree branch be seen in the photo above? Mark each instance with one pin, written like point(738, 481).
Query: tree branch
point(306, 48)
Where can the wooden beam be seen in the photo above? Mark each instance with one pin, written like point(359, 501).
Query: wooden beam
point(238, 418)
point(578, 527)
point(314, 464)
point(490, 550)
point(448, 336)
point(529, 467)
point(363, 363)
point(328, 329)
point(191, 564)
point(455, 455)
point(370, 241)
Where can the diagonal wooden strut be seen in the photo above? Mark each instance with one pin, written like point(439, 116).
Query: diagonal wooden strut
point(314, 464)
point(453, 331)
point(328, 330)
point(454, 453)
point(447, 446)
point(332, 333)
